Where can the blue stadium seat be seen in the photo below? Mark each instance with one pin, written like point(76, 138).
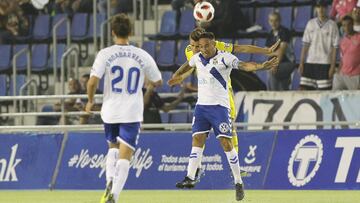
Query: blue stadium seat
point(28, 36)
point(303, 15)
point(286, 16)
point(47, 120)
point(259, 58)
point(263, 75)
point(182, 117)
point(99, 19)
point(79, 27)
point(166, 55)
point(168, 24)
point(297, 48)
point(5, 53)
point(20, 80)
point(164, 117)
point(41, 30)
point(187, 22)
point(262, 14)
point(21, 61)
point(60, 51)
point(165, 88)
point(3, 85)
point(295, 82)
point(39, 57)
point(244, 56)
point(150, 47)
point(62, 29)
point(181, 58)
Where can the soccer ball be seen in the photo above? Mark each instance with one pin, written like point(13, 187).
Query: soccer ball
point(204, 11)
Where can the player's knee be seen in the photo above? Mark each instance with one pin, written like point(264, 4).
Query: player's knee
point(199, 140)
point(226, 144)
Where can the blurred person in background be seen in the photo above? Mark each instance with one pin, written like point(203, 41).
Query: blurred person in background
point(348, 77)
point(356, 17)
point(341, 8)
point(320, 42)
point(280, 78)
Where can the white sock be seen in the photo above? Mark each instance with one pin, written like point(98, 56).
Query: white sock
point(111, 158)
point(194, 161)
point(233, 160)
point(121, 174)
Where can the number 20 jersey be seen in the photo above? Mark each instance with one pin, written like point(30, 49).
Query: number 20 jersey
point(124, 68)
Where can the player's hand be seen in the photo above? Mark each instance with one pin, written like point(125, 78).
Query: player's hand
point(271, 64)
point(174, 80)
point(273, 49)
point(88, 107)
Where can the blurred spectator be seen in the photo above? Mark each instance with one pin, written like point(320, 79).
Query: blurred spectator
point(341, 8)
point(90, 119)
point(348, 77)
point(153, 103)
point(72, 104)
point(356, 17)
point(320, 41)
point(117, 6)
point(73, 6)
point(280, 79)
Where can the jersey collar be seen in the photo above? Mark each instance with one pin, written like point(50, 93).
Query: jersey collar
point(205, 61)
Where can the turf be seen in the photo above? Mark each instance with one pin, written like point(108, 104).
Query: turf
point(175, 196)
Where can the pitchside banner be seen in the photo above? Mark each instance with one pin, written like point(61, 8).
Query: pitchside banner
point(27, 161)
point(258, 107)
point(315, 159)
point(161, 160)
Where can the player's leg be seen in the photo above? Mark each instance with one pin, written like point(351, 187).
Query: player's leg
point(111, 133)
point(129, 133)
point(233, 117)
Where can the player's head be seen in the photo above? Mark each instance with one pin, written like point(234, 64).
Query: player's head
point(194, 39)
point(321, 8)
point(275, 20)
point(347, 24)
point(120, 26)
point(207, 44)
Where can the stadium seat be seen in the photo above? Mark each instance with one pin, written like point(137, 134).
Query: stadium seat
point(3, 85)
point(60, 51)
point(24, 37)
point(295, 82)
point(302, 16)
point(297, 48)
point(165, 88)
point(166, 55)
point(187, 22)
point(182, 117)
point(79, 27)
point(150, 47)
point(164, 117)
point(20, 81)
point(259, 58)
point(41, 30)
point(62, 29)
point(5, 53)
point(21, 61)
point(47, 120)
point(244, 56)
point(262, 14)
point(181, 58)
point(100, 18)
point(168, 26)
point(263, 75)
point(39, 57)
point(286, 16)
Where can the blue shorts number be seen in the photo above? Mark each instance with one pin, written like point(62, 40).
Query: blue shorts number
point(132, 81)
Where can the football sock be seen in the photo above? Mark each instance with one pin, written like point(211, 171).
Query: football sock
point(194, 161)
point(111, 158)
point(233, 160)
point(121, 174)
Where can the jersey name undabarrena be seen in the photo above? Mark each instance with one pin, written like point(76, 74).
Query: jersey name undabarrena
point(124, 68)
point(213, 77)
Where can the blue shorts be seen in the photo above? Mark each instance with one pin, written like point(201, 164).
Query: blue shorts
point(212, 116)
point(126, 133)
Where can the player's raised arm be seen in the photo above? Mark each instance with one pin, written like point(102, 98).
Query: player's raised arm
point(271, 51)
point(181, 74)
point(252, 66)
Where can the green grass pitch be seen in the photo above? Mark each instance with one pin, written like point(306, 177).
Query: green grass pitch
point(177, 196)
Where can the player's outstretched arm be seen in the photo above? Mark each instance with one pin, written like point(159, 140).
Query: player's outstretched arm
point(91, 89)
point(181, 74)
point(251, 49)
point(252, 66)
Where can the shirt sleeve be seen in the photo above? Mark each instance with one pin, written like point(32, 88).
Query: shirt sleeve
point(152, 71)
point(99, 66)
point(222, 46)
point(188, 52)
point(285, 35)
point(307, 37)
point(232, 61)
point(192, 61)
